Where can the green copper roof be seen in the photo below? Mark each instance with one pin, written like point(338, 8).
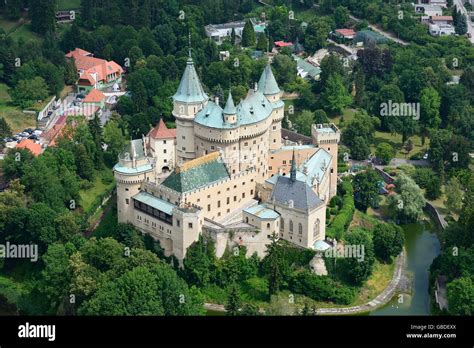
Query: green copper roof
point(196, 177)
point(267, 83)
point(155, 202)
point(253, 109)
point(190, 88)
point(262, 212)
point(229, 108)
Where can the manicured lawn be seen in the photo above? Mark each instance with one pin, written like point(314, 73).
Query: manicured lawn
point(88, 196)
point(396, 141)
point(348, 115)
point(16, 119)
point(108, 226)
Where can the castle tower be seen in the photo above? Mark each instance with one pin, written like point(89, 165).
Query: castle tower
point(189, 99)
point(269, 87)
point(328, 136)
point(132, 169)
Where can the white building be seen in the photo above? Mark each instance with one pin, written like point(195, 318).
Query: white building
point(442, 30)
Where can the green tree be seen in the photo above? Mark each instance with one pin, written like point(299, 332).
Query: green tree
point(366, 190)
point(250, 310)
point(233, 301)
point(357, 270)
point(28, 92)
point(341, 16)
point(320, 117)
point(335, 97)
point(262, 42)
point(454, 195)
point(461, 25)
point(199, 263)
point(388, 241)
point(409, 202)
point(461, 296)
point(272, 263)
point(42, 14)
point(385, 152)
point(285, 69)
point(316, 34)
point(248, 35)
point(304, 122)
point(430, 102)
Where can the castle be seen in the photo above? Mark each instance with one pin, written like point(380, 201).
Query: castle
point(228, 174)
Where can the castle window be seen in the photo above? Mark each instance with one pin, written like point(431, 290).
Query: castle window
point(270, 168)
point(177, 222)
point(235, 198)
point(300, 228)
point(183, 137)
point(208, 207)
point(127, 201)
point(291, 225)
point(282, 226)
point(126, 189)
point(243, 194)
point(218, 204)
point(164, 142)
point(228, 200)
point(246, 144)
point(268, 225)
point(184, 148)
point(284, 162)
point(255, 141)
point(251, 192)
point(164, 151)
point(190, 225)
point(212, 147)
point(316, 228)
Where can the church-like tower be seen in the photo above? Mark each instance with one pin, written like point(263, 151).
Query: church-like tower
point(187, 101)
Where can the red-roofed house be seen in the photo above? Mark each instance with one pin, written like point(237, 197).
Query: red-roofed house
point(441, 19)
point(34, 148)
point(94, 72)
point(281, 44)
point(163, 139)
point(95, 98)
point(346, 34)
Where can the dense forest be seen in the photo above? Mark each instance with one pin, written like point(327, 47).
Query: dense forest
point(150, 39)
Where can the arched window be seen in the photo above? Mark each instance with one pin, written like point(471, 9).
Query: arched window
point(300, 228)
point(282, 226)
point(291, 225)
point(268, 225)
point(316, 229)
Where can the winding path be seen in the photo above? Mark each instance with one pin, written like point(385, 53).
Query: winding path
point(383, 298)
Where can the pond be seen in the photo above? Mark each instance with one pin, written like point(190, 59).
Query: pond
point(422, 247)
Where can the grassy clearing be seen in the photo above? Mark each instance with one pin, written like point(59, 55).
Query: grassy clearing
point(99, 187)
point(109, 223)
point(396, 141)
point(18, 29)
point(16, 119)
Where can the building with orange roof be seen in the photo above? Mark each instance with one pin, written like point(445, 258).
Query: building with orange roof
point(34, 148)
point(94, 72)
point(161, 143)
point(95, 98)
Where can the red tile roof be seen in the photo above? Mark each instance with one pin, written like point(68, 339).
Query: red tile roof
point(162, 132)
point(283, 44)
point(30, 145)
point(346, 32)
point(93, 69)
point(441, 18)
point(95, 96)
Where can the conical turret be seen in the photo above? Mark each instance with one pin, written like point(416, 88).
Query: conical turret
point(190, 89)
point(267, 83)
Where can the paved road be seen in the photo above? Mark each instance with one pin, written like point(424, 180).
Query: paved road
point(388, 35)
point(470, 25)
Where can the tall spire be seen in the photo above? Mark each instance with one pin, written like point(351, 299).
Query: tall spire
point(190, 88)
point(293, 168)
point(229, 108)
point(267, 83)
point(189, 48)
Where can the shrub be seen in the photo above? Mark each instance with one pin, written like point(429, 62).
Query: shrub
point(341, 222)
